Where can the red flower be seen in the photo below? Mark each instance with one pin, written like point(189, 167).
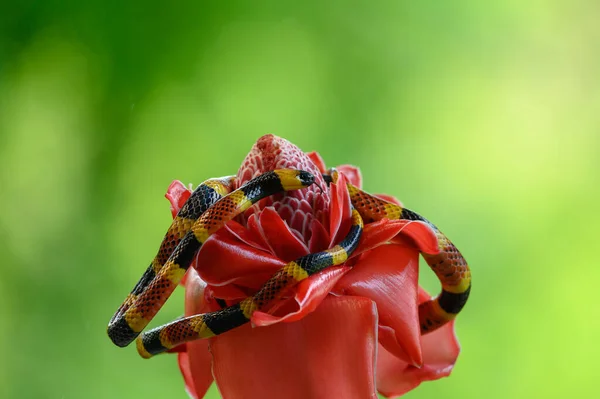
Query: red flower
point(345, 332)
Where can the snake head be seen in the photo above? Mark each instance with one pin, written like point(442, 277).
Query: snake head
point(292, 179)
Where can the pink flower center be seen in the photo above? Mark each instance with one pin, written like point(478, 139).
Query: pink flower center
point(297, 208)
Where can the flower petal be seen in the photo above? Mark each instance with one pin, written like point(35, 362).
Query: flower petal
point(418, 235)
point(223, 259)
point(328, 354)
point(255, 231)
point(389, 276)
point(319, 239)
point(195, 363)
point(284, 244)
point(440, 350)
point(352, 173)
point(177, 194)
point(231, 293)
point(317, 160)
point(244, 235)
point(183, 360)
point(309, 294)
point(379, 233)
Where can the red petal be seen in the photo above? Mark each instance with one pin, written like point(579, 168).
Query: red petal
point(224, 259)
point(317, 160)
point(177, 194)
point(183, 361)
point(245, 236)
point(229, 292)
point(255, 231)
point(340, 211)
point(440, 350)
point(328, 354)
point(319, 239)
point(379, 233)
point(418, 235)
point(352, 173)
point(195, 364)
point(389, 276)
point(284, 244)
point(309, 294)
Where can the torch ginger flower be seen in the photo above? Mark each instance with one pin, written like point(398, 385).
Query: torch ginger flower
point(349, 331)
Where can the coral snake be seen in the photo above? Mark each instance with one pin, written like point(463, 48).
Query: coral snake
point(209, 208)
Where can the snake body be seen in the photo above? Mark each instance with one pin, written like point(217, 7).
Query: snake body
point(210, 207)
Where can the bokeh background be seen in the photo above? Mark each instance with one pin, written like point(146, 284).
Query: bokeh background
point(483, 116)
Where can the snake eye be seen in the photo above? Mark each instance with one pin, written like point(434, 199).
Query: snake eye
point(306, 178)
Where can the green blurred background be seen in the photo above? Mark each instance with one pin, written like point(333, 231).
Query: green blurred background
point(484, 117)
